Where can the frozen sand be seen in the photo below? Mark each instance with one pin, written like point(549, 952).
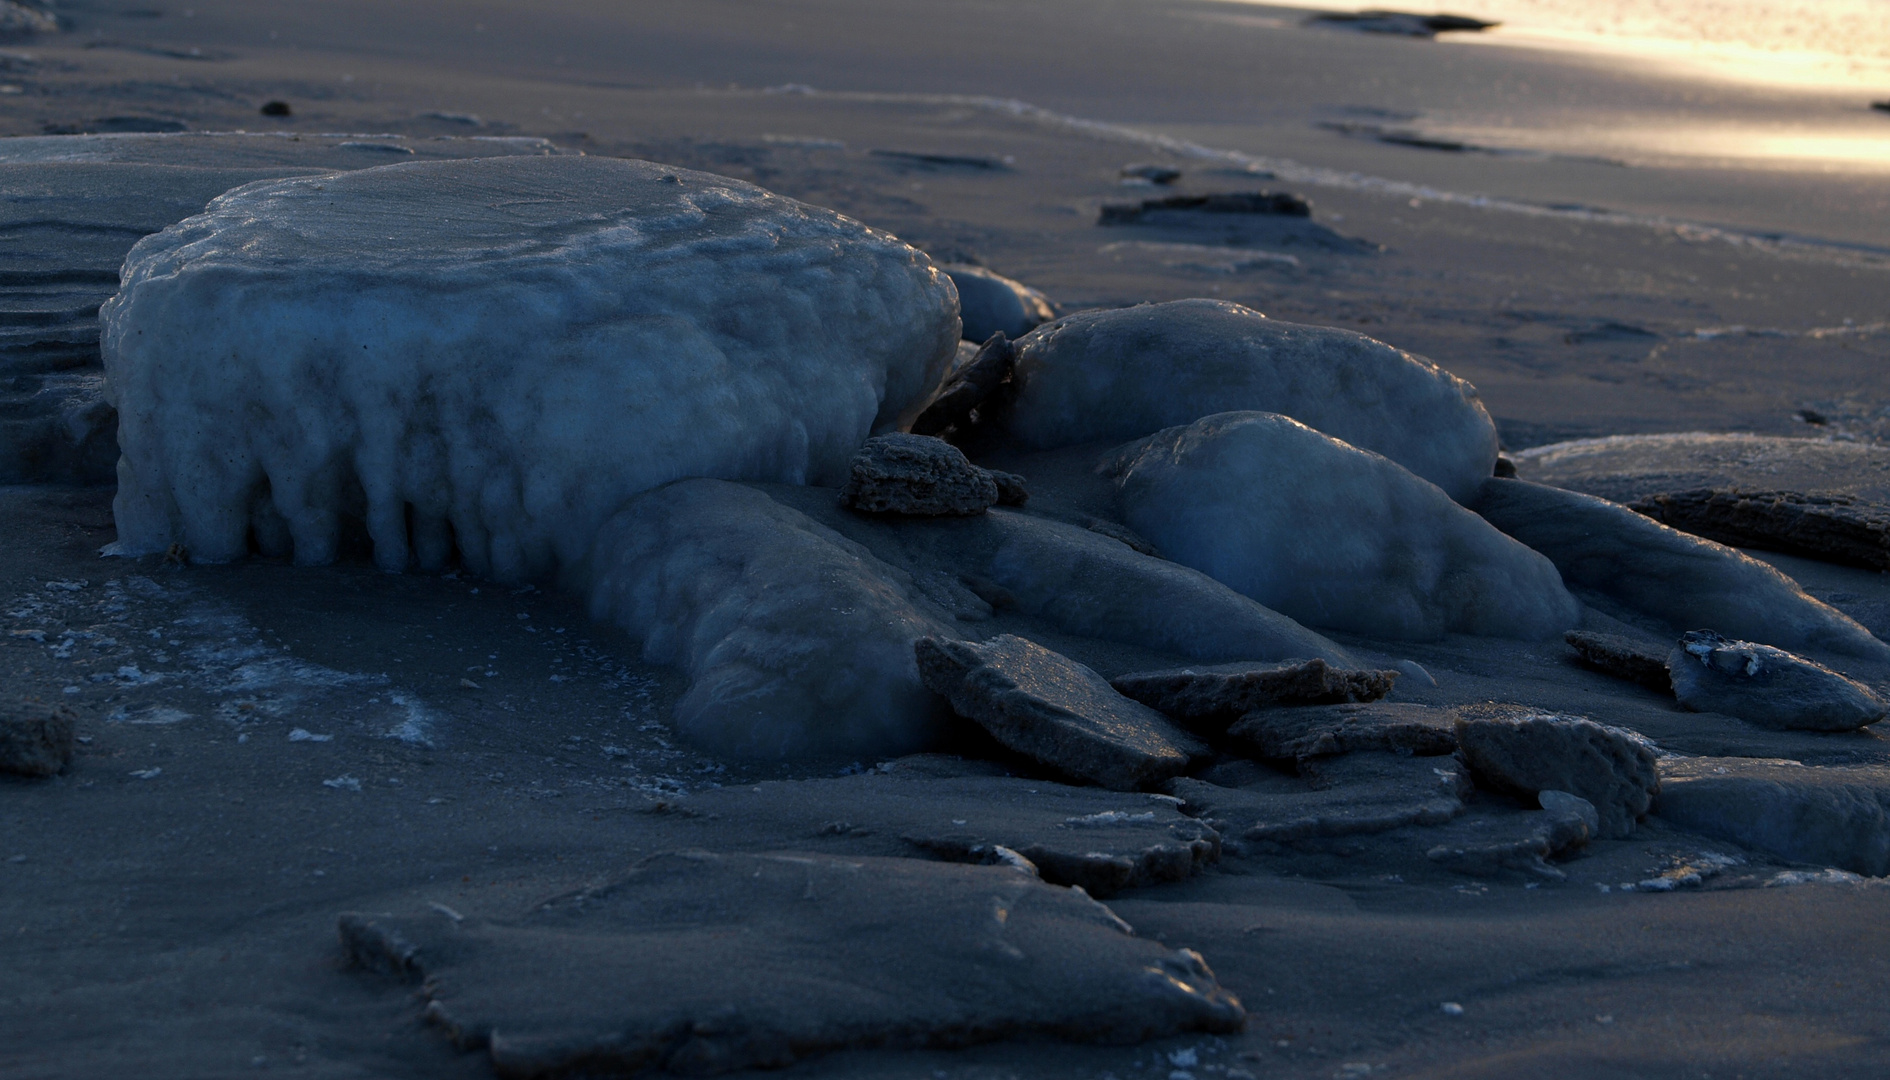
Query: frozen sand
point(133, 891)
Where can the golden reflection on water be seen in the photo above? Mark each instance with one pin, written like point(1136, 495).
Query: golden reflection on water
point(1659, 141)
point(1809, 44)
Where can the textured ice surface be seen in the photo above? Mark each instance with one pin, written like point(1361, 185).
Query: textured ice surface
point(1682, 580)
point(1114, 375)
point(492, 355)
point(1081, 582)
point(1332, 535)
point(797, 641)
point(71, 207)
point(992, 303)
point(794, 618)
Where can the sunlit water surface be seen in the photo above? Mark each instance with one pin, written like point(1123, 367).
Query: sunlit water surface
point(1795, 48)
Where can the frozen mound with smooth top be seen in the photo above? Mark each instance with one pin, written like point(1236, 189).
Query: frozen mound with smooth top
point(492, 355)
point(1113, 375)
point(1331, 535)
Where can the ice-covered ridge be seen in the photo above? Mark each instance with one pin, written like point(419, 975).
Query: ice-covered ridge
point(493, 355)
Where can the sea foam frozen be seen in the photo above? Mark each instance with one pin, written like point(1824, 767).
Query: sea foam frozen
point(493, 355)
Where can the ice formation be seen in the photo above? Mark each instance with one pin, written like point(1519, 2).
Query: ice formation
point(1082, 582)
point(1332, 535)
point(1681, 580)
point(493, 355)
point(992, 303)
point(794, 618)
point(797, 641)
point(1121, 374)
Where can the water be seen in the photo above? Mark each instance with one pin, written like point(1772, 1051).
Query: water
point(1835, 44)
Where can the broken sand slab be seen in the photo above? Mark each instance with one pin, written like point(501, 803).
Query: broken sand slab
point(704, 963)
point(1352, 794)
point(1056, 711)
point(1820, 498)
point(1101, 840)
point(72, 206)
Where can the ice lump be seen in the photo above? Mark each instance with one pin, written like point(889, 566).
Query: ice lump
point(492, 355)
point(1122, 374)
point(1331, 535)
point(797, 641)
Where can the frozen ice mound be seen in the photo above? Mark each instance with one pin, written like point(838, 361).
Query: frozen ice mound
point(1113, 375)
point(492, 355)
point(1079, 581)
point(1332, 535)
point(71, 207)
point(797, 641)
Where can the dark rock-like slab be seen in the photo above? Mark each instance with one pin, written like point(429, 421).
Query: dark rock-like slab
point(1401, 23)
point(1317, 731)
point(1519, 749)
point(35, 738)
point(1630, 468)
point(1148, 173)
point(1342, 796)
point(1821, 498)
point(1622, 657)
point(1835, 528)
point(1210, 698)
point(1681, 579)
point(1280, 203)
point(968, 387)
point(699, 963)
point(1056, 711)
point(1766, 686)
point(1565, 823)
point(1012, 489)
point(1826, 816)
point(1103, 841)
point(918, 475)
point(994, 304)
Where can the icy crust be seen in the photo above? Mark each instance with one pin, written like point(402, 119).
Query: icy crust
point(797, 641)
point(494, 354)
point(1113, 375)
point(1331, 535)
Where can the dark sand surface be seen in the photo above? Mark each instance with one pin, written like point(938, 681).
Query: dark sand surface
point(169, 905)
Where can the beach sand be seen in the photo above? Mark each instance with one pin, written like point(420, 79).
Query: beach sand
point(168, 906)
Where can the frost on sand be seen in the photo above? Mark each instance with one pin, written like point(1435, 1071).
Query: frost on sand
point(492, 355)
